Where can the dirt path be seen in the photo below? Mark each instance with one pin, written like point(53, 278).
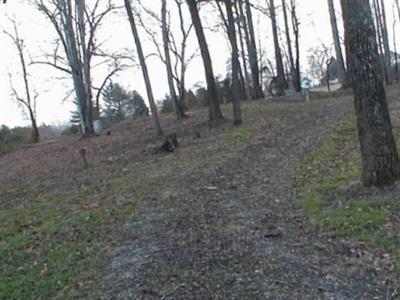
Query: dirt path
point(233, 230)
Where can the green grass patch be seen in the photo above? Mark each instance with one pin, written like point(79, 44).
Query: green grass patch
point(330, 194)
point(239, 133)
point(55, 246)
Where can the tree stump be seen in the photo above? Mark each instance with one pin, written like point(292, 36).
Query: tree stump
point(169, 144)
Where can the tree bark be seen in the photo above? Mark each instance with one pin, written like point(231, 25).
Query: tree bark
point(214, 109)
point(336, 41)
point(237, 113)
point(281, 79)
point(255, 71)
point(142, 60)
point(380, 160)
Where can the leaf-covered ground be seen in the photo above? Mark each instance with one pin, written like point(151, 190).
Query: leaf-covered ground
point(268, 210)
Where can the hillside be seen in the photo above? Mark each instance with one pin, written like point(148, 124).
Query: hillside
point(252, 212)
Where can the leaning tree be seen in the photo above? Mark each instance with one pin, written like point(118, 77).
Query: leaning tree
point(214, 109)
point(143, 65)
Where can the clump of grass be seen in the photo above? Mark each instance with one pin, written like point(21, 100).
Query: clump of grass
point(239, 133)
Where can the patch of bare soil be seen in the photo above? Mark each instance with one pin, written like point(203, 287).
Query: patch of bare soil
point(232, 229)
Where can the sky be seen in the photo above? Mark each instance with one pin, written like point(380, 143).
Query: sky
point(53, 86)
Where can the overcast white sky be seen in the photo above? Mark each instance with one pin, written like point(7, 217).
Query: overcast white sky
point(38, 35)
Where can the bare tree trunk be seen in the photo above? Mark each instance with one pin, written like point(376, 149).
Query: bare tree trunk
point(242, 84)
point(260, 60)
point(185, 35)
point(76, 69)
point(385, 38)
point(28, 102)
point(153, 107)
point(294, 78)
point(178, 108)
point(215, 112)
point(248, 44)
point(76, 25)
point(295, 24)
point(243, 55)
point(282, 83)
point(237, 113)
point(252, 50)
point(396, 59)
point(85, 58)
point(336, 40)
point(398, 8)
point(395, 50)
point(32, 115)
point(242, 87)
point(378, 148)
point(382, 56)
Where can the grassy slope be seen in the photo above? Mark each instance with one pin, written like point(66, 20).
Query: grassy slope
point(332, 196)
point(56, 245)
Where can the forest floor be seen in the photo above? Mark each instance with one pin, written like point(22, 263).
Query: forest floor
point(269, 210)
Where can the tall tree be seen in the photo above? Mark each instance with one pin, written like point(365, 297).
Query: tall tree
point(336, 41)
point(379, 35)
point(246, 35)
point(253, 56)
point(237, 113)
point(398, 7)
point(385, 37)
point(280, 70)
point(243, 52)
point(396, 58)
point(177, 52)
point(71, 19)
point(178, 107)
point(293, 67)
point(244, 92)
point(214, 109)
point(380, 160)
point(296, 33)
point(76, 24)
point(142, 60)
point(28, 102)
point(181, 53)
point(288, 40)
